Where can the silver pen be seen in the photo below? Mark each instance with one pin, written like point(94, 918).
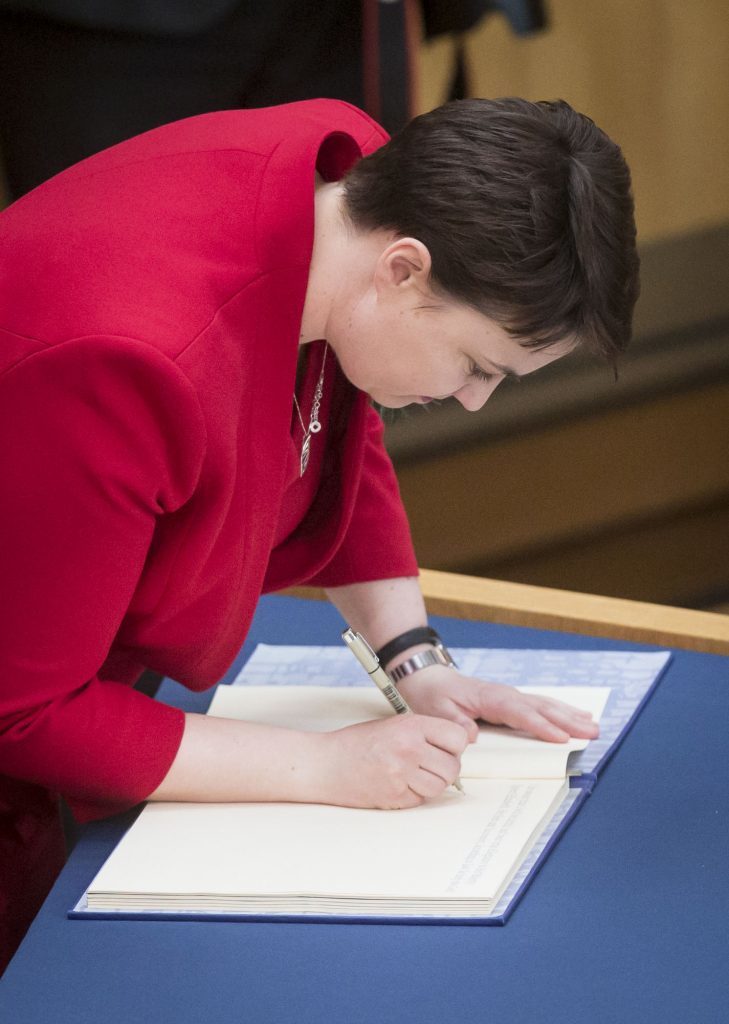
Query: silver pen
point(371, 664)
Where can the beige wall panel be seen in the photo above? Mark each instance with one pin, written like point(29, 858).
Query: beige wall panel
point(679, 561)
point(583, 476)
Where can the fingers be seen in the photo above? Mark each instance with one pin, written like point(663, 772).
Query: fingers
point(427, 786)
point(431, 749)
point(436, 771)
point(574, 720)
point(578, 712)
point(446, 734)
point(530, 720)
point(390, 763)
point(462, 700)
point(542, 717)
point(562, 706)
point(565, 717)
point(468, 724)
point(450, 711)
point(552, 721)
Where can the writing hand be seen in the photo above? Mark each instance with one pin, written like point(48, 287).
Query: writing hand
point(391, 763)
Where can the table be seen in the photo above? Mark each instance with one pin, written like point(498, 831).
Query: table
point(627, 921)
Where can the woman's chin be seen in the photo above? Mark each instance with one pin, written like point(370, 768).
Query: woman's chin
point(398, 401)
point(391, 401)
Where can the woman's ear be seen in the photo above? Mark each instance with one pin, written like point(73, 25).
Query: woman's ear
point(404, 263)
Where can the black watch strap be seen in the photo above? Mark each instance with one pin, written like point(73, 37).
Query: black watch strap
point(419, 635)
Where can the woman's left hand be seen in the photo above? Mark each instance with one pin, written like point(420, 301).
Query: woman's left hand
point(445, 693)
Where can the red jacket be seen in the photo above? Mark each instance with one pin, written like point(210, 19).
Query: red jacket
point(150, 306)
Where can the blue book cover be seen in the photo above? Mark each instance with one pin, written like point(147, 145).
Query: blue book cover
point(629, 676)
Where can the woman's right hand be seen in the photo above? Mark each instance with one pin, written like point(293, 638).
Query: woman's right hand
point(398, 761)
point(390, 763)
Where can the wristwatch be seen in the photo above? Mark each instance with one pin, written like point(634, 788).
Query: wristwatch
point(438, 655)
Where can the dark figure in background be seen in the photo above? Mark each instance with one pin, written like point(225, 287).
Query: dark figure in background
point(77, 76)
point(87, 75)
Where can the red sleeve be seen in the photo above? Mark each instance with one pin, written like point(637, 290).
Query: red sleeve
point(100, 436)
point(377, 544)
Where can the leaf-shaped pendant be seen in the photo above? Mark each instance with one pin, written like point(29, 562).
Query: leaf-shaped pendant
point(305, 452)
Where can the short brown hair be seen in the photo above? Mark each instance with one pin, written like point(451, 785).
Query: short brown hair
point(527, 212)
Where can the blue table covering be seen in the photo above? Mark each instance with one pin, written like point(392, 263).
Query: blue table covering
point(627, 921)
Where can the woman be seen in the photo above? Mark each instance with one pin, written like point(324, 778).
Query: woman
point(192, 325)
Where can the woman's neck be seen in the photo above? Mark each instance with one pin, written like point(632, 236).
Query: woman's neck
point(329, 251)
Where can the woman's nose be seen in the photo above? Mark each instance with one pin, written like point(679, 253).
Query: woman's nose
point(474, 395)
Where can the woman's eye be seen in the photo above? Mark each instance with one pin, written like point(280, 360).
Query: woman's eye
point(479, 374)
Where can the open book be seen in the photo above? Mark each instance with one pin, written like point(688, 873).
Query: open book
point(460, 857)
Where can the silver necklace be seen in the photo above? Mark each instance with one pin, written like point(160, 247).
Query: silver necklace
point(314, 424)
